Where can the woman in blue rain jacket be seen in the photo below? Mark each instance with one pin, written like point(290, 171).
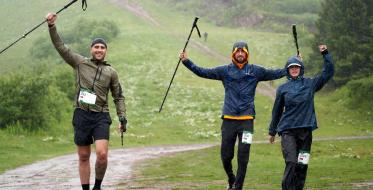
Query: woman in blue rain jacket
point(294, 118)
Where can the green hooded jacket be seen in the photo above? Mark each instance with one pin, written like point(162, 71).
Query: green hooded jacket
point(97, 76)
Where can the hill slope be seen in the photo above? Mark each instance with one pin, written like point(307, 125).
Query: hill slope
point(145, 54)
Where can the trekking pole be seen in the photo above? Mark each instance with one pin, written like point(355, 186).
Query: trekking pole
point(121, 135)
point(84, 7)
point(123, 127)
point(178, 63)
point(295, 38)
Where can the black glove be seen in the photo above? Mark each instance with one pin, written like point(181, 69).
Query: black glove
point(123, 123)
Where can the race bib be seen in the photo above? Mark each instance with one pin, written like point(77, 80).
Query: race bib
point(303, 157)
point(87, 97)
point(247, 137)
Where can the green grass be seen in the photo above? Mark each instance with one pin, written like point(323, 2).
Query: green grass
point(145, 57)
point(265, 15)
point(333, 165)
point(20, 147)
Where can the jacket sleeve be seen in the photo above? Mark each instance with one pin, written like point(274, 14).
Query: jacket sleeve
point(270, 74)
point(209, 73)
point(117, 93)
point(73, 59)
point(326, 74)
point(278, 109)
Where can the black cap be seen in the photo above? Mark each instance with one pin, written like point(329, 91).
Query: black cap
point(98, 41)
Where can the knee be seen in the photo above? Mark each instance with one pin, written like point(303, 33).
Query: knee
point(102, 156)
point(243, 158)
point(243, 150)
point(227, 156)
point(290, 158)
point(291, 164)
point(84, 157)
point(301, 167)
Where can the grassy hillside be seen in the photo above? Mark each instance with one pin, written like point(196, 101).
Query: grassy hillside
point(18, 18)
point(145, 54)
point(263, 15)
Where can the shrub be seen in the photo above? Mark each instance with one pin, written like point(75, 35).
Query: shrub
point(360, 93)
point(32, 101)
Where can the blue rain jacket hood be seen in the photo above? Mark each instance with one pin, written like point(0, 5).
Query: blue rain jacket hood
point(294, 60)
point(240, 45)
point(294, 103)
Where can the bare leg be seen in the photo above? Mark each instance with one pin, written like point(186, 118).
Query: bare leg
point(84, 152)
point(101, 161)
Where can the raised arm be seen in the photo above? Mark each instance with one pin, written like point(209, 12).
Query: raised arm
point(327, 71)
point(270, 74)
point(73, 59)
point(209, 73)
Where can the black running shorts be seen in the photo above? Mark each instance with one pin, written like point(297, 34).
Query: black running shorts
point(90, 126)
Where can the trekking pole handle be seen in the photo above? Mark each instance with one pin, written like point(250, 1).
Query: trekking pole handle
point(195, 26)
point(195, 21)
point(295, 35)
point(68, 5)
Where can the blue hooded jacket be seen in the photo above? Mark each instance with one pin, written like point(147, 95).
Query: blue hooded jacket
point(294, 103)
point(239, 84)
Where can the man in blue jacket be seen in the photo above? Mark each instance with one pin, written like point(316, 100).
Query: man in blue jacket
point(239, 79)
point(294, 118)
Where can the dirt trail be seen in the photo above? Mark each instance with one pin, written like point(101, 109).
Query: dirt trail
point(61, 172)
point(135, 9)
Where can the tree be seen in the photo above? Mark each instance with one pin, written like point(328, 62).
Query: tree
point(346, 27)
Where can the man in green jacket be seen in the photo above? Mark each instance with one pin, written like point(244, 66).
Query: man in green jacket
point(91, 119)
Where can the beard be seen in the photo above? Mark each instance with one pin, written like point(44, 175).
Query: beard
point(98, 56)
point(240, 59)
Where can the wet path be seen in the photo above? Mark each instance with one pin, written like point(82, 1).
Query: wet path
point(62, 172)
